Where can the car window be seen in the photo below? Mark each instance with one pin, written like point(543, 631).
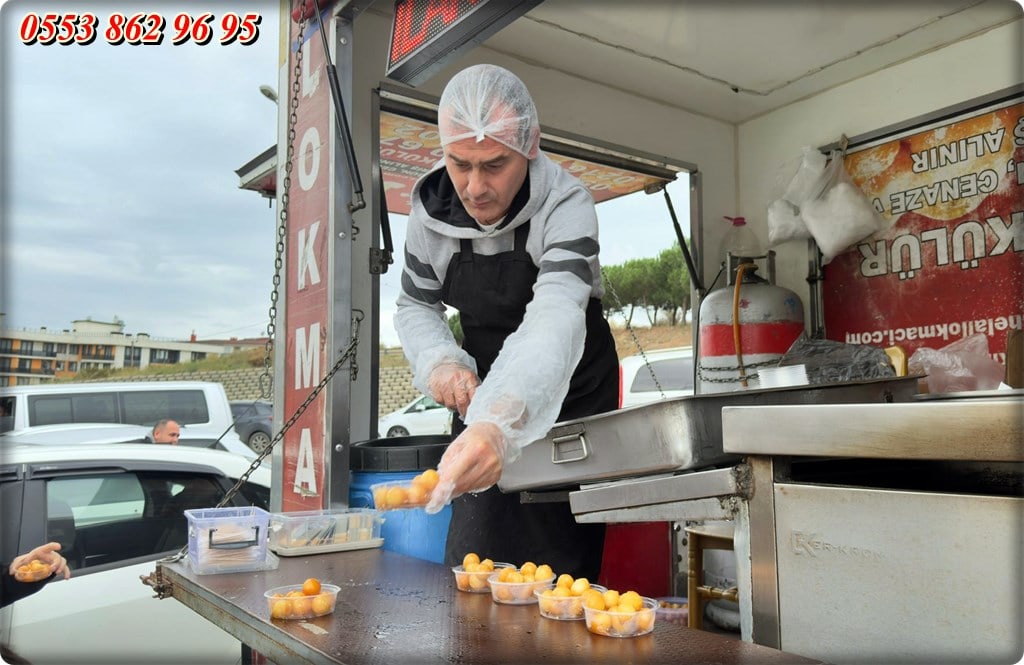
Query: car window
point(104, 518)
point(426, 404)
point(99, 499)
point(6, 414)
point(148, 406)
point(142, 407)
point(72, 408)
point(255, 495)
point(672, 373)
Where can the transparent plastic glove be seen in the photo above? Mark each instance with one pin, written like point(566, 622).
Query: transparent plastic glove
point(453, 385)
point(472, 463)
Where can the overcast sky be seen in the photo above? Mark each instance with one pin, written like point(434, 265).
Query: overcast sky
point(120, 197)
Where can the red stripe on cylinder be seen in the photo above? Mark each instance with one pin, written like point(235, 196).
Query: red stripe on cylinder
point(773, 338)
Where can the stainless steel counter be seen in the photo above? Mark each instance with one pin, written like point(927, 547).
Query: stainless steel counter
point(395, 609)
point(838, 508)
point(971, 429)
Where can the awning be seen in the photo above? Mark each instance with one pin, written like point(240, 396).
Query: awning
point(410, 146)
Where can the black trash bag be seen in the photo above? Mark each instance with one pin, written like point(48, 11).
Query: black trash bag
point(836, 362)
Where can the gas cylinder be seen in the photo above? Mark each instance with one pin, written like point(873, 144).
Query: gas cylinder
point(770, 319)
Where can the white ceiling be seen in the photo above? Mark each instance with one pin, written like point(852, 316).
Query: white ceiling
point(736, 60)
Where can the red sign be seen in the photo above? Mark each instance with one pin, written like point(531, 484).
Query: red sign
point(951, 263)
point(306, 278)
point(427, 34)
point(409, 148)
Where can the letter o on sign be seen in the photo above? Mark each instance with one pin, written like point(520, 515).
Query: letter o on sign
point(310, 144)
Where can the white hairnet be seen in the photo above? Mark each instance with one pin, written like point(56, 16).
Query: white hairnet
point(487, 100)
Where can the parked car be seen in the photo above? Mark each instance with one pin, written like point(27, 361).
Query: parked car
point(673, 369)
point(200, 407)
point(254, 422)
point(96, 433)
point(115, 510)
point(421, 416)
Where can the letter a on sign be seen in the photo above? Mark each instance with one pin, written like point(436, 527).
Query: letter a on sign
point(305, 470)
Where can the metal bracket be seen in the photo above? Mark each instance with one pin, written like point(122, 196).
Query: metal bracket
point(163, 588)
point(380, 259)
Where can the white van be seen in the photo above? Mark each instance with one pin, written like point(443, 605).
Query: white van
point(673, 369)
point(38, 413)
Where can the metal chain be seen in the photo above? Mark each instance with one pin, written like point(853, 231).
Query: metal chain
point(267, 377)
point(710, 379)
point(256, 463)
point(632, 333)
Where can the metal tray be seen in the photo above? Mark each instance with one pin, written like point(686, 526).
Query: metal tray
point(670, 435)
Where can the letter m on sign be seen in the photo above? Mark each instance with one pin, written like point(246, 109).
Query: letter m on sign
point(307, 357)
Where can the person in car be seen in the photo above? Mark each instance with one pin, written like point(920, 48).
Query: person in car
point(507, 237)
point(13, 589)
point(166, 431)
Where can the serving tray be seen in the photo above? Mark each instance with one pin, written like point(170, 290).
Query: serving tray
point(670, 435)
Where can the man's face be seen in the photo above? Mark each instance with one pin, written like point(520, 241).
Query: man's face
point(169, 433)
point(486, 175)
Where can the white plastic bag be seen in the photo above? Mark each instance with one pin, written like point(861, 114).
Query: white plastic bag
point(839, 215)
point(784, 221)
point(961, 366)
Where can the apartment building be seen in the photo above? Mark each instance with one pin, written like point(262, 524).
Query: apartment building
point(42, 355)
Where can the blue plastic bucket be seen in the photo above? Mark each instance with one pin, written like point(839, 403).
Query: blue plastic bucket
point(411, 532)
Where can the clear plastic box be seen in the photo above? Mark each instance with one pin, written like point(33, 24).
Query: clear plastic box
point(288, 602)
point(614, 623)
point(329, 530)
point(227, 540)
point(399, 495)
point(516, 593)
point(673, 609)
point(562, 608)
point(476, 581)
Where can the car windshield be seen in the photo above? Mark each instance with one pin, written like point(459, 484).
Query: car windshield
point(672, 373)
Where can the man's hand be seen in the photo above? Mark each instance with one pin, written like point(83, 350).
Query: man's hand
point(49, 554)
point(472, 463)
point(453, 385)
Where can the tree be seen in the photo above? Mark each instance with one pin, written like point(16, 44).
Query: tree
point(455, 325)
point(673, 291)
point(654, 284)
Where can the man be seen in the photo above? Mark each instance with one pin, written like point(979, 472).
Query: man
point(508, 238)
point(166, 431)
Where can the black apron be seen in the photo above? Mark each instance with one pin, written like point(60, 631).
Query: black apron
point(491, 294)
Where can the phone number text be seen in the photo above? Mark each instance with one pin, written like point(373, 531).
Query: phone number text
point(143, 28)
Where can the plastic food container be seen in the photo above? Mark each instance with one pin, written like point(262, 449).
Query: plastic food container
point(476, 581)
point(622, 624)
point(315, 531)
point(227, 540)
point(673, 609)
point(561, 608)
point(399, 495)
point(516, 593)
point(33, 571)
point(288, 602)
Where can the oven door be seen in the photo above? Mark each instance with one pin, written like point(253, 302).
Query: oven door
point(888, 576)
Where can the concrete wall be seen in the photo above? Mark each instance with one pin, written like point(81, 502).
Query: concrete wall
point(957, 73)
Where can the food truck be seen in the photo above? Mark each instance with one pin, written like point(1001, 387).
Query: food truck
point(869, 519)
